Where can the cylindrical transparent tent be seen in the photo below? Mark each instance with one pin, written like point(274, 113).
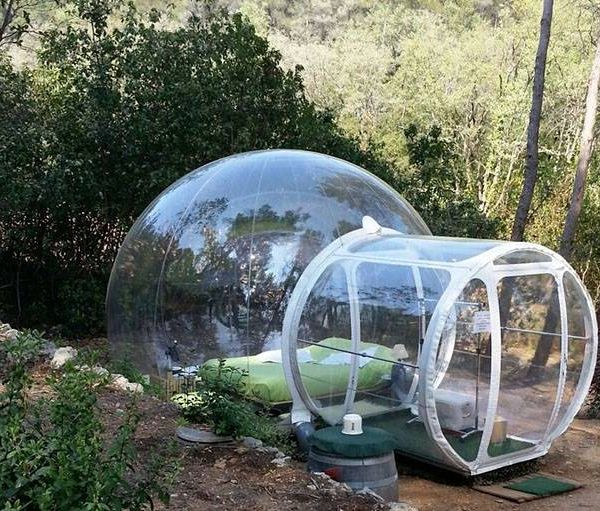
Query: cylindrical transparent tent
point(475, 354)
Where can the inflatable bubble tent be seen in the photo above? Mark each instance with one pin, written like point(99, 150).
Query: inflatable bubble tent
point(207, 269)
point(475, 354)
point(328, 290)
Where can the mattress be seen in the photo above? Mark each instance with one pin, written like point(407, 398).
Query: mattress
point(324, 370)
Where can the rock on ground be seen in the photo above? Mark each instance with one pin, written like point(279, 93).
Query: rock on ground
point(251, 443)
point(62, 356)
point(119, 382)
point(321, 479)
point(401, 506)
point(201, 436)
point(7, 333)
point(280, 462)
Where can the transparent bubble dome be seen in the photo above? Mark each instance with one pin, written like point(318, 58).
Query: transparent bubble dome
point(208, 268)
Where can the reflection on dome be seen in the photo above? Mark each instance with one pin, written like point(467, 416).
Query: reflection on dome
point(208, 268)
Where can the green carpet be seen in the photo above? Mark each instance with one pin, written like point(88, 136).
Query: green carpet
point(541, 486)
point(413, 438)
point(509, 445)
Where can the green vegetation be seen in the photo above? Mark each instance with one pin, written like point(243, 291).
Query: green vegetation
point(115, 109)
point(113, 101)
point(441, 92)
point(218, 398)
point(53, 451)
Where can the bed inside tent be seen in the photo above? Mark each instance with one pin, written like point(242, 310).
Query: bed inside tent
point(326, 365)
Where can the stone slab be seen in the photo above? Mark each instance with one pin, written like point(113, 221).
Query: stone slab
point(200, 436)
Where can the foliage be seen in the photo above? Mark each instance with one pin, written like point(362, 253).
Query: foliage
point(15, 20)
point(435, 181)
point(116, 109)
point(464, 67)
point(219, 399)
point(431, 96)
point(52, 450)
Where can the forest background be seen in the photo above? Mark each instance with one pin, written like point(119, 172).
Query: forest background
point(99, 112)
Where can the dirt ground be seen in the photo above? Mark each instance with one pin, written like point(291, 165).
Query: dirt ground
point(229, 476)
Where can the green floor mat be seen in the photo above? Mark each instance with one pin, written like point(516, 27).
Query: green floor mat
point(364, 408)
point(413, 438)
point(507, 446)
point(541, 486)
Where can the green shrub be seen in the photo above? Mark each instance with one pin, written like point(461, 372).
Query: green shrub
point(116, 109)
point(53, 455)
point(219, 399)
point(81, 305)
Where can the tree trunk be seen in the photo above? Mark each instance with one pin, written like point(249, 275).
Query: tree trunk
point(533, 131)
point(8, 14)
point(537, 368)
point(585, 154)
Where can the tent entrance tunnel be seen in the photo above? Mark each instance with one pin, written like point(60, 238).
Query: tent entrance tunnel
point(474, 354)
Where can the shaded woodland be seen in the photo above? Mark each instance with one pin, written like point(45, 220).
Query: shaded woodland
point(473, 110)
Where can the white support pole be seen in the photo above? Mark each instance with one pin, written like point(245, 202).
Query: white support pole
point(351, 280)
point(491, 284)
point(564, 355)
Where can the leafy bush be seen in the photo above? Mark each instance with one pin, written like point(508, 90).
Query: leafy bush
point(116, 109)
point(53, 455)
point(219, 399)
point(432, 186)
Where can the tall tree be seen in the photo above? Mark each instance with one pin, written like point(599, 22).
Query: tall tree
point(544, 347)
point(533, 135)
point(533, 131)
point(585, 154)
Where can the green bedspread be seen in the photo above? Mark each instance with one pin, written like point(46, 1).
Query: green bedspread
point(321, 375)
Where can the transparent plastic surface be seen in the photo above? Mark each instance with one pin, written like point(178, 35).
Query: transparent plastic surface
point(530, 364)
point(461, 398)
point(579, 338)
point(324, 344)
point(523, 257)
point(208, 268)
point(378, 373)
point(396, 306)
point(430, 248)
point(396, 303)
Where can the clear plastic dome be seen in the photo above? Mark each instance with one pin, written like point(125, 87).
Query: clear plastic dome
point(474, 354)
point(207, 270)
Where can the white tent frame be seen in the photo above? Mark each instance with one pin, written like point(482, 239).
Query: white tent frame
point(480, 266)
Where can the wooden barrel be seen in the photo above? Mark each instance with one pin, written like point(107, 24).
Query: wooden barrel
point(378, 473)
